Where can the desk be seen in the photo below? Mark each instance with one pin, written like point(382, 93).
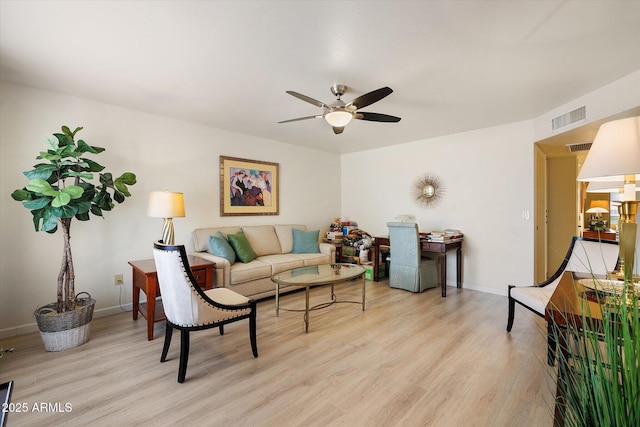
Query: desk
point(440, 249)
point(145, 278)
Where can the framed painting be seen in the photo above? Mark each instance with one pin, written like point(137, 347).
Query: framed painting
point(248, 187)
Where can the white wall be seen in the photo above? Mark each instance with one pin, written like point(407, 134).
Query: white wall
point(616, 97)
point(164, 154)
point(488, 179)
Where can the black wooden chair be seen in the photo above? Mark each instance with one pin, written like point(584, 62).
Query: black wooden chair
point(189, 308)
point(585, 258)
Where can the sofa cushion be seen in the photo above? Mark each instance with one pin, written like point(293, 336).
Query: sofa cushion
point(305, 242)
point(254, 270)
point(280, 263)
point(263, 239)
point(286, 237)
point(219, 246)
point(241, 246)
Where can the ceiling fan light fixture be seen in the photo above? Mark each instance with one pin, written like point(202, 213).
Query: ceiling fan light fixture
point(338, 118)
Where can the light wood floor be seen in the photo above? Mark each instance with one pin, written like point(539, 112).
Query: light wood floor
point(408, 360)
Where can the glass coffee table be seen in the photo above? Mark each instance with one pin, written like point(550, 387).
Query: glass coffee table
point(318, 275)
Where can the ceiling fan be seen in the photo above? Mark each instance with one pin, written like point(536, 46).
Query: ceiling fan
point(339, 114)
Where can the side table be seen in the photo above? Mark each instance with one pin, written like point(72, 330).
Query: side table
point(145, 278)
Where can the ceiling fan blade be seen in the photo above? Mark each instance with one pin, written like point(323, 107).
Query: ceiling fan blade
point(370, 98)
point(338, 130)
point(307, 99)
point(376, 117)
point(301, 118)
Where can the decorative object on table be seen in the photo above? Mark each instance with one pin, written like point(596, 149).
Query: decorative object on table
point(335, 230)
point(444, 236)
point(248, 187)
point(57, 192)
point(166, 205)
point(427, 190)
point(358, 239)
point(596, 209)
point(615, 156)
point(339, 114)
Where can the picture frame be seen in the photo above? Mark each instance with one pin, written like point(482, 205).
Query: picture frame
point(249, 187)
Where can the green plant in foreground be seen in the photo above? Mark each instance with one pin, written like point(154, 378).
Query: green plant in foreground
point(602, 382)
point(62, 189)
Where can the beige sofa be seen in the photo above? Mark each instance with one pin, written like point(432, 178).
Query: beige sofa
point(273, 245)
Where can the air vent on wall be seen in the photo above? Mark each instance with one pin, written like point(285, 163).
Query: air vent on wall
point(579, 146)
point(569, 118)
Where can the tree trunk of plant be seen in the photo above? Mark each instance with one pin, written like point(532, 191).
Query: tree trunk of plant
point(66, 277)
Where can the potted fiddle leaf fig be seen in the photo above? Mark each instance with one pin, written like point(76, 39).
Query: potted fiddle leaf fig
point(68, 185)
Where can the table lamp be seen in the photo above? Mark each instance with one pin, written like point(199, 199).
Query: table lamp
point(596, 208)
point(615, 156)
point(167, 205)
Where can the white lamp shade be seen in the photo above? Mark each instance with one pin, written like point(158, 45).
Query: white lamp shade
point(608, 186)
point(615, 153)
point(165, 204)
point(339, 118)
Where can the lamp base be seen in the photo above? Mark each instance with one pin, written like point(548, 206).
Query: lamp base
point(167, 232)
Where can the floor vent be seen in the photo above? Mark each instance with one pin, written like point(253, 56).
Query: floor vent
point(579, 146)
point(569, 118)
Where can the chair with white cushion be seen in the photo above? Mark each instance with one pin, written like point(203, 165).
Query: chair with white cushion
point(585, 258)
point(189, 308)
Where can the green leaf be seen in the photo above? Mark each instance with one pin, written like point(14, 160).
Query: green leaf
point(21, 195)
point(61, 199)
point(93, 166)
point(63, 140)
point(74, 191)
point(49, 221)
point(82, 207)
point(83, 175)
point(96, 210)
point(38, 203)
point(122, 188)
point(41, 170)
point(42, 187)
point(118, 196)
point(83, 216)
point(106, 179)
point(49, 156)
point(83, 147)
point(67, 131)
point(103, 200)
point(66, 211)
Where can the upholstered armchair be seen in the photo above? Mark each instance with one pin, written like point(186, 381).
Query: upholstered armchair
point(189, 308)
point(407, 269)
point(585, 258)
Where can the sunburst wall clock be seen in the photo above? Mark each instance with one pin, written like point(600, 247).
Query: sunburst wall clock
point(427, 190)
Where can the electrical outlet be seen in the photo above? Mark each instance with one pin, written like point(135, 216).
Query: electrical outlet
point(118, 279)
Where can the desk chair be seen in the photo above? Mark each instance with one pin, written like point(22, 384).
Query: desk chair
point(585, 258)
point(189, 308)
point(408, 270)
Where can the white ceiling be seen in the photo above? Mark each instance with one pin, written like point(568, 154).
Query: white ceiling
point(453, 65)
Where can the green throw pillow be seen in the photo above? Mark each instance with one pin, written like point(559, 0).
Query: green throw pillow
point(305, 242)
point(221, 247)
point(241, 245)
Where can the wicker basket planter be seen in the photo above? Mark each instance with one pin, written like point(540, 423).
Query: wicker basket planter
point(62, 331)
